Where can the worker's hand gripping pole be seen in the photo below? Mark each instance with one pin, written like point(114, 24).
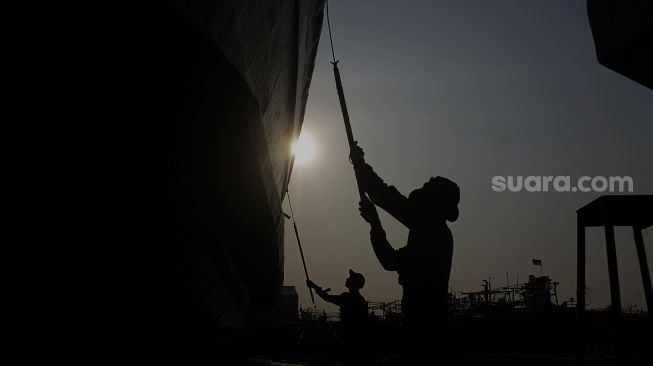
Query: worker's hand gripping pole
point(345, 116)
point(301, 251)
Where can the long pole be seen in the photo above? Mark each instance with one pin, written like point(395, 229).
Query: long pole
point(343, 102)
point(345, 116)
point(301, 251)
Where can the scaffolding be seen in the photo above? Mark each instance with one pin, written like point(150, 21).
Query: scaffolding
point(384, 310)
point(539, 294)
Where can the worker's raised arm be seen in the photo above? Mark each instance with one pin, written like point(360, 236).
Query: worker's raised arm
point(325, 295)
point(385, 196)
point(384, 252)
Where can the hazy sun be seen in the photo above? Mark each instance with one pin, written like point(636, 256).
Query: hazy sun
point(304, 148)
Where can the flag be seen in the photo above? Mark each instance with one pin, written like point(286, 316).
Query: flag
point(537, 262)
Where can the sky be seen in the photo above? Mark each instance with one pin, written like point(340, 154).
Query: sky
point(469, 90)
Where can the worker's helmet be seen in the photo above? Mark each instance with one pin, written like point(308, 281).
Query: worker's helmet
point(439, 194)
point(355, 280)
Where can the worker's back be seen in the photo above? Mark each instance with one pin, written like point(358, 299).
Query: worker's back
point(353, 314)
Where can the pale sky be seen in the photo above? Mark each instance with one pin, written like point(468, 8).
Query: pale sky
point(469, 90)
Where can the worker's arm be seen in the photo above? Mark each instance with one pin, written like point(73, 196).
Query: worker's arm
point(384, 252)
point(324, 294)
point(385, 196)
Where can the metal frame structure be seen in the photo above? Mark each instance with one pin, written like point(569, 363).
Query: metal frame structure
point(610, 211)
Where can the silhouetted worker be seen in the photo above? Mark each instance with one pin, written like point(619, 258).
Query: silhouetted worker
point(423, 264)
point(353, 316)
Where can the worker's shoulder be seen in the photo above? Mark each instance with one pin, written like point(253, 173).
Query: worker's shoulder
point(352, 298)
point(342, 296)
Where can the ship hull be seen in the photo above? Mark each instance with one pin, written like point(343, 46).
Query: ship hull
point(206, 99)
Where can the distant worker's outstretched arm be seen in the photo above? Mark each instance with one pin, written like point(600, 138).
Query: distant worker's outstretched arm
point(384, 252)
point(334, 299)
point(385, 196)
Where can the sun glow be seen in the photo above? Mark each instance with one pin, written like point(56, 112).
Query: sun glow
point(304, 149)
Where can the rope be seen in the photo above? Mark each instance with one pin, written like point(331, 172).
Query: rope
point(292, 214)
point(333, 54)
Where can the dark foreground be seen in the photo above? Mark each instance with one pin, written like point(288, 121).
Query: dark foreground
point(493, 359)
